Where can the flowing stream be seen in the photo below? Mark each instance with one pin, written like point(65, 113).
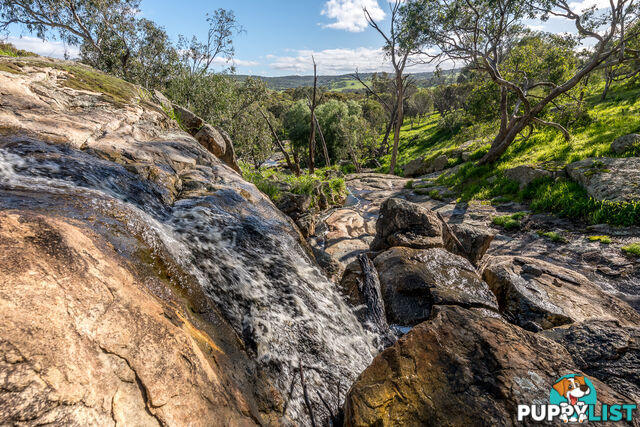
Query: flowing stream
point(258, 276)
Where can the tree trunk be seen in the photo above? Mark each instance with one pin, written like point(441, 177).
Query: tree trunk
point(290, 165)
point(327, 160)
point(399, 119)
point(385, 140)
point(312, 137)
point(607, 85)
point(504, 139)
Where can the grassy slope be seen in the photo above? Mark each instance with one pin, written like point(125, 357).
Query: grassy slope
point(618, 115)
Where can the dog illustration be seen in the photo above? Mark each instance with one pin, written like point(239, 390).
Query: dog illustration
point(572, 389)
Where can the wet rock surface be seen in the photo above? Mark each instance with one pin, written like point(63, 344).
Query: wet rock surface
point(414, 280)
point(606, 350)
point(461, 368)
point(538, 295)
point(402, 223)
point(85, 343)
point(115, 164)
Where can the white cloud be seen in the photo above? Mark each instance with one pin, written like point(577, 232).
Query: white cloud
point(52, 49)
point(349, 14)
point(579, 6)
point(338, 61)
point(224, 62)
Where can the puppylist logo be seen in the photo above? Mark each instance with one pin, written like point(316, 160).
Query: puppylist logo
point(573, 399)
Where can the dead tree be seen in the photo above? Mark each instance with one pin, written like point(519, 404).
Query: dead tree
point(312, 105)
point(324, 143)
point(295, 168)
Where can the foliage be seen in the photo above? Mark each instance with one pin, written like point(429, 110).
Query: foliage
point(554, 236)
point(605, 240)
point(273, 183)
point(632, 249)
point(509, 222)
point(7, 49)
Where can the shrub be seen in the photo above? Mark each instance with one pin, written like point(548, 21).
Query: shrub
point(602, 239)
point(509, 222)
point(553, 236)
point(632, 249)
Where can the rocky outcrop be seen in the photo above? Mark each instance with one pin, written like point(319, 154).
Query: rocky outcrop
point(605, 350)
point(413, 281)
point(473, 242)
point(422, 166)
point(213, 139)
point(84, 341)
point(525, 175)
point(608, 178)
point(402, 223)
point(167, 279)
point(626, 143)
point(461, 368)
point(537, 295)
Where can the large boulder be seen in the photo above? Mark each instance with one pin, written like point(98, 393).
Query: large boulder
point(605, 350)
point(608, 178)
point(473, 242)
point(422, 166)
point(538, 295)
point(414, 280)
point(83, 341)
point(626, 143)
point(402, 223)
point(177, 235)
point(525, 175)
point(461, 368)
point(213, 139)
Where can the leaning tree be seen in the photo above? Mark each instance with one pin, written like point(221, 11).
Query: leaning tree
point(481, 33)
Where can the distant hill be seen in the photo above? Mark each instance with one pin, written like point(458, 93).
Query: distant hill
point(347, 83)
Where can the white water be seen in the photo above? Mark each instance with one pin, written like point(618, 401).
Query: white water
point(259, 277)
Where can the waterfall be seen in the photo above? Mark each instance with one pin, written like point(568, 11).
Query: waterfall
point(248, 263)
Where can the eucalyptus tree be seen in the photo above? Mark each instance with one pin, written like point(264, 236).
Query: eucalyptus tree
point(399, 45)
point(482, 33)
point(73, 21)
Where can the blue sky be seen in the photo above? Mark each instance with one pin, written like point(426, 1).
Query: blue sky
point(281, 35)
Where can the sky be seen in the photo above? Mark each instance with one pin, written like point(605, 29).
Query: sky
point(280, 36)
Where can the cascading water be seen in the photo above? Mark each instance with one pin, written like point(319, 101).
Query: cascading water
point(258, 275)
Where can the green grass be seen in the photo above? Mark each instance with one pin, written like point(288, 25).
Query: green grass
point(273, 183)
point(509, 222)
point(617, 116)
point(553, 236)
point(568, 199)
point(605, 240)
point(7, 49)
point(632, 249)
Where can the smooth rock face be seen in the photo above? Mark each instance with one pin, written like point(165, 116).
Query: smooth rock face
point(191, 231)
point(461, 368)
point(608, 178)
point(625, 143)
point(83, 342)
point(414, 280)
point(604, 350)
point(537, 295)
point(525, 175)
point(402, 223)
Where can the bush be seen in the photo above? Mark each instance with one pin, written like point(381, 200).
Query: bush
point(509, 222)
point(602, 239)
point(632, 249)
